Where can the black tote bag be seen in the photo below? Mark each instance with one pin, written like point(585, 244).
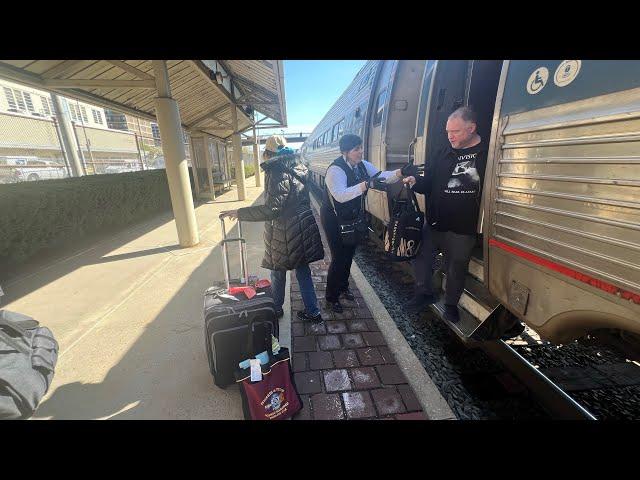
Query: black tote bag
point(403, 235)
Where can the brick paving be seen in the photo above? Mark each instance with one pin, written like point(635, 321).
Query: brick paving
point(342, 366)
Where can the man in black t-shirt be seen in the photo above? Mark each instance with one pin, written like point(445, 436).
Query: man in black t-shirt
point(452, 184)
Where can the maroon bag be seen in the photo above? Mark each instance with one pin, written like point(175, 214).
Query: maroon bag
point(275, 396)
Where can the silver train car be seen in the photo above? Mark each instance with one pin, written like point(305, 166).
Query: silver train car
point(559, 243)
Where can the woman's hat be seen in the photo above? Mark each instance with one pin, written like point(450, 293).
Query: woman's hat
point(275, 143)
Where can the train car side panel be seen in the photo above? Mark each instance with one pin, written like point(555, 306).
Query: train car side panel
point(564, 246)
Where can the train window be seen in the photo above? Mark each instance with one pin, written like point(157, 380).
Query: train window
point(365, 80)
point(340, 127)
point(382, 97)
point(335, 134)
point(424, 97)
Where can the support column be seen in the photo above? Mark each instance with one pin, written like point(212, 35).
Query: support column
point(209, 164)
point(256, 159)
point(194, 165)
point(68, 136)
point(175, 158)
point(237, 154)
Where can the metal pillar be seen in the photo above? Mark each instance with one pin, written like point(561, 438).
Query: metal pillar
point(175, 158)
point(256, 159)
point(237, 154)
point(209, 165)
point(194, 165)
point(68, 135)
point(64, 155)
point(82, 159)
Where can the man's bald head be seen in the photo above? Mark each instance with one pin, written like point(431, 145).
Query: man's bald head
point(461, 128)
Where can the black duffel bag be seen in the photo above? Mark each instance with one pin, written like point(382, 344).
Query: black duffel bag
point(28, 356)
point(403, 235)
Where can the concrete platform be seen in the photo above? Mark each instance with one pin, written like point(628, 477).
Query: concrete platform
point(127, 313)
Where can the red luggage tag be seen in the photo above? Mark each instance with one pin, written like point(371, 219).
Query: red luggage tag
point(248, 291)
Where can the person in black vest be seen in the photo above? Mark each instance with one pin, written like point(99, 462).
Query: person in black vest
point(291, 235)
point(452, 184)
point(346, 180)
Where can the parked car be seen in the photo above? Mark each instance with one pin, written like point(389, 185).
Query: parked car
point(123, 167)
point(21, 169)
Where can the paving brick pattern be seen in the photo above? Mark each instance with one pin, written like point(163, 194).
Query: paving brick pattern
point(342, 366)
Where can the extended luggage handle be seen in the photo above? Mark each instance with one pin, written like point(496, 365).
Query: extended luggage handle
point(225, 254)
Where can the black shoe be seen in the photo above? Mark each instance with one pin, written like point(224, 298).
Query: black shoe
point(347, 295)
point(335, 306)
point(451, 313)
point(279, 313)
point(304, 316)
point(419, 302)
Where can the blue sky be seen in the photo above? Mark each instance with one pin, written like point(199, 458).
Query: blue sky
point(311, 88)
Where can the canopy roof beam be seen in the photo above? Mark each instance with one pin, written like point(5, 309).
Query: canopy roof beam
point(99, 83)
point(131, 69)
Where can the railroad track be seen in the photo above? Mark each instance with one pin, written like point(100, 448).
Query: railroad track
point(565, 389)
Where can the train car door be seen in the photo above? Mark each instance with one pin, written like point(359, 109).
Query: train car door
point(377, 115)
point(399, 128)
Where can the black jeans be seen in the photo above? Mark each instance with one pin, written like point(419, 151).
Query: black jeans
point(457, 250)
point(341, 257)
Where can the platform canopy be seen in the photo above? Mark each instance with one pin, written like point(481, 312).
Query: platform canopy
point(204, 89)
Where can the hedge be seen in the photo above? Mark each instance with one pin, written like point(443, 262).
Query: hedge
point(47, 214)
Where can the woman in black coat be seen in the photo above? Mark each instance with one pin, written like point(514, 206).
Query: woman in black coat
point(291, 237)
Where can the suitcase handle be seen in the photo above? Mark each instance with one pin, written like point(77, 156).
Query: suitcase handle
point(225, 254)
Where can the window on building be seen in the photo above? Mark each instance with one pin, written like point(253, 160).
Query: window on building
point(45, 105)
point(97, 116)
point(156, 133)
point(382, 97)
point(85, 119)
point(73, 112)
point(8, 93)
point(28, 101)
point(20, 100)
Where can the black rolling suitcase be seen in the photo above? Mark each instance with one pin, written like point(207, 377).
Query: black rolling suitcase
point(227, 323)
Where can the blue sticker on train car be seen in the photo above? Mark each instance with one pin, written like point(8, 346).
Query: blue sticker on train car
point(533, 84)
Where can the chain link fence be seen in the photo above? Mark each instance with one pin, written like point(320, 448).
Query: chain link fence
point(32, 145)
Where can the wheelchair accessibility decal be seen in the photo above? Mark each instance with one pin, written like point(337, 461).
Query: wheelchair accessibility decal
point(537, 80)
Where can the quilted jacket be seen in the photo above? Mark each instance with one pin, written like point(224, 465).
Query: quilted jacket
point(291, 235)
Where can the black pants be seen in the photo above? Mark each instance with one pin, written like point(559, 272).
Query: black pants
point(341, 257)
point(457, 250)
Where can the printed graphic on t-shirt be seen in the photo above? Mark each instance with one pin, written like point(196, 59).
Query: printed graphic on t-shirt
point(464, 178)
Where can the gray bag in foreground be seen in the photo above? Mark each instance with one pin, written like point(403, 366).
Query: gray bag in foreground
point(28, 356)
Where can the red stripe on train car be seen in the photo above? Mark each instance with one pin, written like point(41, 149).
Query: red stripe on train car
point(594, 282)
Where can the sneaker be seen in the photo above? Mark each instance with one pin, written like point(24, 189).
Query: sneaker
point(335, 306)
point(279, 313)
point(419, 302)
point(451, 313)
point(347, 295)
point(304, 316)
